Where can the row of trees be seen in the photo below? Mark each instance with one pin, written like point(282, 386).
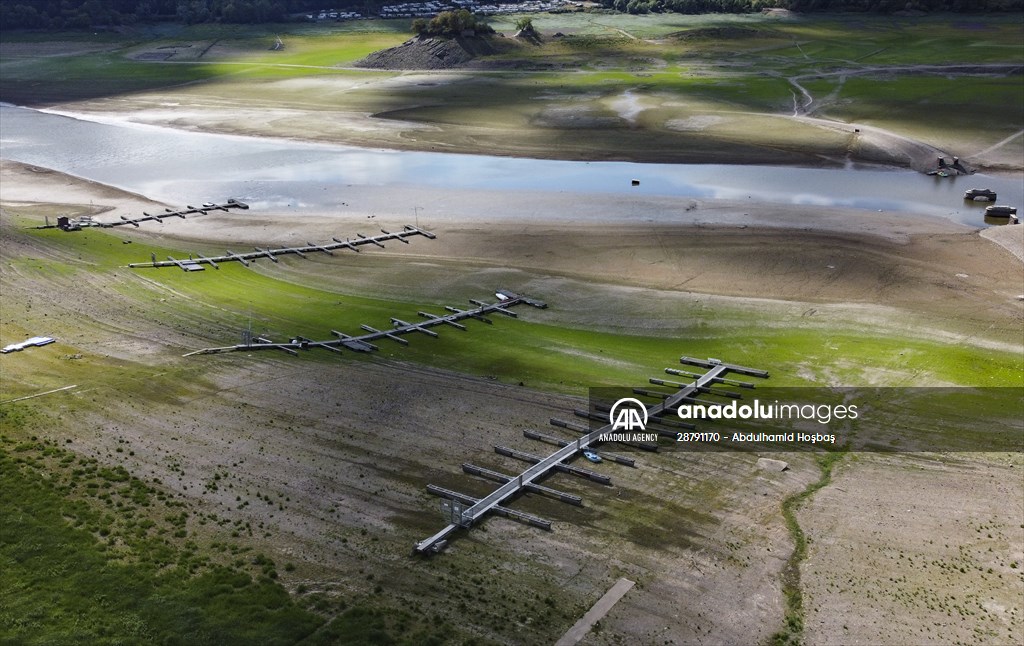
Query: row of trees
point(748, 6)
point(81, 14)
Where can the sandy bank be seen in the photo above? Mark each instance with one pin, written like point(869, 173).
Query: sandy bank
point(908, 274)
point(1008, 237)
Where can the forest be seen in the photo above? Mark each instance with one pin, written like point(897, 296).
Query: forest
point(90, 14)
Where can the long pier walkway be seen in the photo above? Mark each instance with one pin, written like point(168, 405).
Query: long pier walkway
point(473, 513)
point(364, 342)
point(196, 263)
point(85, 221)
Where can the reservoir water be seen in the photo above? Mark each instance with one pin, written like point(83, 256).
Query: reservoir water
point(177, 167)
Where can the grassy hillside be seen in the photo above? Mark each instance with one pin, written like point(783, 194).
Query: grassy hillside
point(665, 87)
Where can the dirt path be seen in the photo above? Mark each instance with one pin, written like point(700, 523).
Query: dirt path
point(897, 146)
point(580, 629)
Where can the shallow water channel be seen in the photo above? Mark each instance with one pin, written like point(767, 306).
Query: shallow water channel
point(177, 166)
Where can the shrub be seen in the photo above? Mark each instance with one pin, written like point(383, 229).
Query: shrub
point(451, 23)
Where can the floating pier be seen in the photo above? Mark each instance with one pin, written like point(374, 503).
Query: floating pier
point(474, 470)
point(512, 486)
point(363, 342)
point(65, 223)
point(196, 263)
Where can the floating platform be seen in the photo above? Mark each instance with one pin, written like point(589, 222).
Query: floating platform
point(196, 262)
point(364, 342)
point(541, 467)
point(77, 224)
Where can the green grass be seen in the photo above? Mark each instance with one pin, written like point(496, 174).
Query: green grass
point(886, 40)
point(650, 26)
point(679, 65)
point(89, 553)
point(939, 102)
point(56, 79)
point(47, 79)
point(749, 93)
point(79, 562)
point(326, 50)
point(791, 633)
point(541, 355)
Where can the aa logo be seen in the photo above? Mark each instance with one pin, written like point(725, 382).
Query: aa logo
point(628, 414)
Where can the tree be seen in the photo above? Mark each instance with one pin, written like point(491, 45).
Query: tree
point(525, 25)
point(450, 23)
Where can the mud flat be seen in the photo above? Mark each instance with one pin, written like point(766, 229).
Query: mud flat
point(917, 549)
point(325, 461)
point(1010, 237)
point(944, 276)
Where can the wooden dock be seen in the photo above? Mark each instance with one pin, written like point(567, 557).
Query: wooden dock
point(196, 262)
point(542, 467)
point(76, 224)
point(364, 342)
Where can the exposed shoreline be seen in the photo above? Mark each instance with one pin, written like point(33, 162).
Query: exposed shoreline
point(383, 131)
point(504, 208)
point(914, 275)
point(876, 274)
